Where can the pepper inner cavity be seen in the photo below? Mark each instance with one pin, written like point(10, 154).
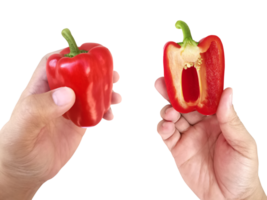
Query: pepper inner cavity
point(190, 85)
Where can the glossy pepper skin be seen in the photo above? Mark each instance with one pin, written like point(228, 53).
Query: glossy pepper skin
point(88, 71)
point(194, 72)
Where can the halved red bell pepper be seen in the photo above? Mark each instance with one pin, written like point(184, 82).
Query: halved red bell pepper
point(88, 70)
point(194, 72)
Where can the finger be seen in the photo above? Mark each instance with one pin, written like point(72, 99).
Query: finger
point(171, 115)
point(108, 116)
point(160, 87)
point(232, 128)
point(115, 77)
point(39, 110)
point(165, 129)
point(168, 113)
point(168, 135)
point(172, 141)
point(115, 98)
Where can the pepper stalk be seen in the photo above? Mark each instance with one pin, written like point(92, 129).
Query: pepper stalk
point(190, 52)
point(74, 50)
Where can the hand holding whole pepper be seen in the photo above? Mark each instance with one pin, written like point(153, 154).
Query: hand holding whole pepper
point(37, 141)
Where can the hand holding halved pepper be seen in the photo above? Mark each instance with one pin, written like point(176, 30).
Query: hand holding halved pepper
point(194, 72)
point(215, 155)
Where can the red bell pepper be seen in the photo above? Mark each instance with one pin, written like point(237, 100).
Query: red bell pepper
point(194, 72)
point(88, 71)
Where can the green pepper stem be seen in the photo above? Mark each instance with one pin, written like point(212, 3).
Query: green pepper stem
point(183, 27)
point(186, 34)
point(74, 50)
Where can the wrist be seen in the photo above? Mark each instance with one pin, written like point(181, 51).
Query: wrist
point(264, 197)
point(258, 194)
point(12, 188)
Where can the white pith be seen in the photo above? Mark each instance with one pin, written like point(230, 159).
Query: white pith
point(183, 58)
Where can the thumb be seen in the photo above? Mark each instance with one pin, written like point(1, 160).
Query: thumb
point(35, 111)
point(232, 128)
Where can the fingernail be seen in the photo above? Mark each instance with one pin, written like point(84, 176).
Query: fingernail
point(62, 96)
point(164, 124)
point(167, 110)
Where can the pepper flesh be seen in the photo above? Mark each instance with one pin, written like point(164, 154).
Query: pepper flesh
point(88, 71)
point(194, 72)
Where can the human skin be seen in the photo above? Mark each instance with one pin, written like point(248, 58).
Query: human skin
point(37, 141)
point(216, 155)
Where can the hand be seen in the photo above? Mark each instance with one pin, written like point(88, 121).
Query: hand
point(215, 155)
point(37, 141)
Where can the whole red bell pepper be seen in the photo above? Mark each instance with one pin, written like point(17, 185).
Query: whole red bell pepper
point(194, 72)
point(88, 71)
